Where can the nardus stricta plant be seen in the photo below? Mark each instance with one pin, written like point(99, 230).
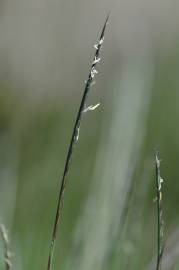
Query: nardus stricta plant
point(74, 139)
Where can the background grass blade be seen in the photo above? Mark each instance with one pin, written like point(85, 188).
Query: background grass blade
point(7, 254)
point(160, 222)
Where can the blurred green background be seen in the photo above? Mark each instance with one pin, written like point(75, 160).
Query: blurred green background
point(109, 217)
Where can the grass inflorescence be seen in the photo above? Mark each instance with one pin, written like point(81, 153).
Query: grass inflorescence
point(160, 221)
point(74, 139)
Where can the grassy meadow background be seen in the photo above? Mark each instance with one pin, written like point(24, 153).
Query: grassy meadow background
point(109, 218)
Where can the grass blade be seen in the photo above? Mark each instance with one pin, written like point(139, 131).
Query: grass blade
point(160, 221)
point(74, 139)
point(7, 254)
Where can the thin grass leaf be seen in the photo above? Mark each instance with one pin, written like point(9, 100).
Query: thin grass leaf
point(7, 253)
point(160, 221)
point(74, 139)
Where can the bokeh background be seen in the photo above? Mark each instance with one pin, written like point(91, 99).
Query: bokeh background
point(109, 216)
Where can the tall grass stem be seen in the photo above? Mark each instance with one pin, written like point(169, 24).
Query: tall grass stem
point(160, 221)
point(74, 139)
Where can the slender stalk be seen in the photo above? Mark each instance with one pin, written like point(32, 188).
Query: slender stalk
point(7, 254)
point(74, 139)
point(160, 222)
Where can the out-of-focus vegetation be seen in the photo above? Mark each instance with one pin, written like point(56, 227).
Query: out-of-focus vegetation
point(34, 136)
point(33, 148)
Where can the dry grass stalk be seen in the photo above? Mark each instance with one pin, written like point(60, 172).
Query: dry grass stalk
point(7, 253)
